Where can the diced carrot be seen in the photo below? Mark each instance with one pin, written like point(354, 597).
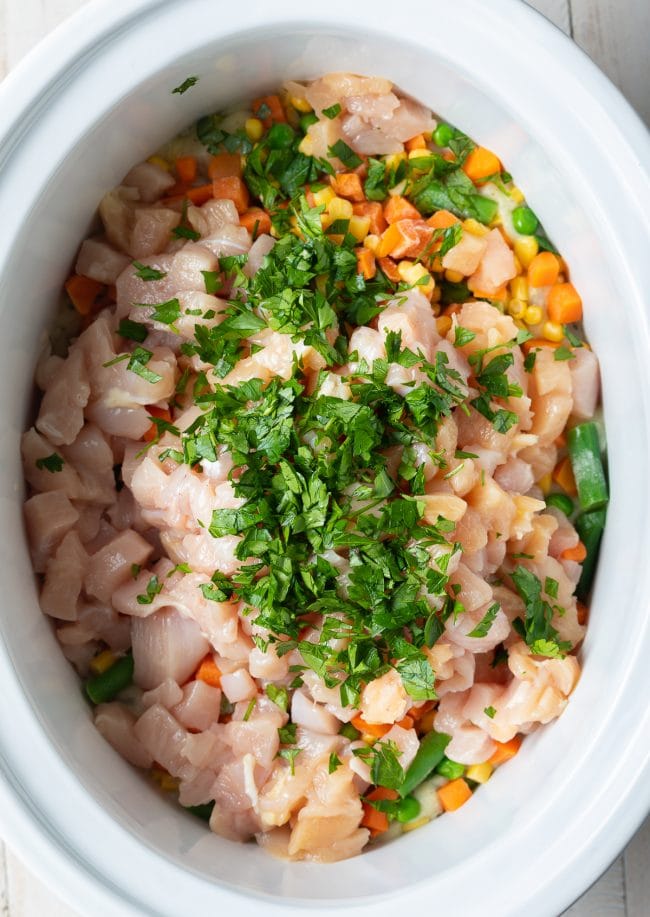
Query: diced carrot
point(534, 343)
point(374, 729)
point(375, 211)
point(381, 792)
point(564, 304)
point(274, 105)
point(366, 265)
point(162, 414)
point(256, 221)
point(543, 270)
point(578, 553)
point(233, 189)
point(416, 713)
point(398, 208)
point(583, 611)
point(406, 723)
point(454, 794)
point(83, 292)
point(225, 165)
point(481, 163)
point(441, 219)
point(375, 821)
point(416, 143)
point(186, 169)
point(209, 673)
point(403, 239)
point(563, 476)
point(200, 194)
point(505, 751)
point(348, 185)
point(389, 268)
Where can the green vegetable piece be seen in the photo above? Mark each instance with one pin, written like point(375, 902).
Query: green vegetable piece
point(450, 769)
point(348, 730)
point(428, 757)
point(584, 452)
point(524, 220)
point(561, 502)
point(203, 811)
point(102, 688)
point(443, 134)
point(590, 528)
point(407, 809)
point(307, 120)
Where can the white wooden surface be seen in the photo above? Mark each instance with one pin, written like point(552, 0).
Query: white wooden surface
point(616, 34)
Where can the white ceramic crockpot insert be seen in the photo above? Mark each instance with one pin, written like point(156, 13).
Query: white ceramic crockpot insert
point(94, 99)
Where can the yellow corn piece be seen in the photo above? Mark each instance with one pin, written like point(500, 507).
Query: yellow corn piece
point(340, 209)
point(516, 308)
point(525, 249)
point(480, 773)
point(474, 227)
point(368, 738)
point(435, 300)
point(359, 227)
point(254, 129)
point(393, 160)
point(519, 288)
point(545, 483)
point(533, 315)
point(418, 823)
point(159, 161)
point(454, 276)
point(306, 145)
point(301, 105)
point(517, 195)
point(413, 274)
point(371, 242)
point(443, 324)
point(324, 196)
point(102, 662)
point(553, 332)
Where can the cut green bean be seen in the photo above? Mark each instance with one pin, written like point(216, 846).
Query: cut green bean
point(103, 688)
point(589, 527)
point(584, 452)
point(561, 502)
point(428, 757)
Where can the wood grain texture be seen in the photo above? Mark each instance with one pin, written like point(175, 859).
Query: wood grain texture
point(616, 34)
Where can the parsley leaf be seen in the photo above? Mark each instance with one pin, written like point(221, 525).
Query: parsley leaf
point(482, 629)
point(144, 272)
point(51, 463)
point(185, 85)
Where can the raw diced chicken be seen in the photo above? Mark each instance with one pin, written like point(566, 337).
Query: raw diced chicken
point(384, 700)
point(150, 180)
point(496, 267)
point(112, 565)
point(64, 575)
point(199, 707)
point(48, 516)
point(116, 723)
point(166, 645)
point(100, 261)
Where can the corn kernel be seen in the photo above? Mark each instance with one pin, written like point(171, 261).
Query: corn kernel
point(160, 162)
point(533, 315)
point(102, 662)
point(418, 823)
point(413, 274)
point(371, 242)
point(301, 105)
point(480, 773)
point(340, 209)
point(306, 145)
point(517, 195)
point(519, 288)
point(424, 157)
point(324, 196)
point(474, 227)
point(359, 227)
point(525, 249)
point(553, 332)
point(443, 324)
point(169, 784)
point(518, 265)
point(435, 300)
point(393, 160)
point(454, 276)
point(516, 308)
point(254, 129)
point(368, 738)
point(545, 483)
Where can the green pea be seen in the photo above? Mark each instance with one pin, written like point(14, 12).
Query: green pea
point(104, 687)
point(443, 134)
point(562, 502)
point(524, 220)
point(307, 120)
point(450, 769)
point(408, 809)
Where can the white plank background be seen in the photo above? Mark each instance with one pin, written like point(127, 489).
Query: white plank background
point(616, 34)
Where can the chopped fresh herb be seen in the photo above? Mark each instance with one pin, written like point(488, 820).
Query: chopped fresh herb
point(489, 711)
point(135, 569)
point(144, 272)
point(537, 629)
point(153, 588)
point(185, 85)
point(51, 463)
point(332, 111)
point(463, 336)
point(346, 154)
point(278, 695)
point(185, 232)
point(138, 364)
point(334, 763)
point(249, 709)
point(287, 734)
point(132, 331)
point(563, 353)
point(482, 629)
